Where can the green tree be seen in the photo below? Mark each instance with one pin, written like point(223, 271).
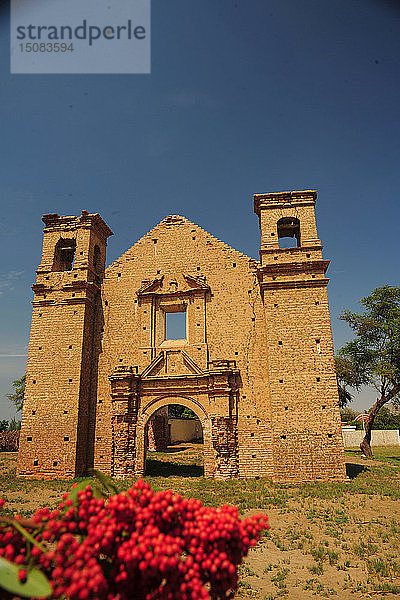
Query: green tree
point(4, 425)
point(14, 425)
point(188, 414)
point(347, 375)
point(177, 411)
point(347, 415)
point(374, 353)
point(385, 419)
point(17, 396)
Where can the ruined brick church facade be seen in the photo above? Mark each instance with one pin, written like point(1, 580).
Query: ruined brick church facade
point(256, 366)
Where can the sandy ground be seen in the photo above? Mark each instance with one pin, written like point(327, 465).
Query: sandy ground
point(317, 547)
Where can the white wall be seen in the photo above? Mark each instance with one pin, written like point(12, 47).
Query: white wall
point(379, 437)
point(184, 430)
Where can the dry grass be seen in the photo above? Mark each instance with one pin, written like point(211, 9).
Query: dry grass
point(339, 540)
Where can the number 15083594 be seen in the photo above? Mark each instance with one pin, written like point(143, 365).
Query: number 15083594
point(46, 47)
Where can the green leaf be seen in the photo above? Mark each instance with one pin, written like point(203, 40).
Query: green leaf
point(73, 494)
point(106, 481)
point(36, 585)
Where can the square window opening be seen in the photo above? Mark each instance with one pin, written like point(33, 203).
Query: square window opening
point(175, 325)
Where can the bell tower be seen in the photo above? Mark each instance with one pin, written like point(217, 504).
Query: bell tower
point(55, 437)
point(303, 389)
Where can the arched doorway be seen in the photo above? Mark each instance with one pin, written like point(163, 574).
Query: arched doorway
point(136, 397)
point(174, 443)
point(178, 457)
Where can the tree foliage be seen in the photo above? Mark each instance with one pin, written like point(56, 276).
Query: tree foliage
point(347, 415)
point(17, 396)
point(12, 425)
point(177, 411)
point(347, 376)
point(374, 353)
point(386, 419)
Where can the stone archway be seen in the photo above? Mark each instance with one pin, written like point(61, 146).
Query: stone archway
point(155, 404)
point(211, 394)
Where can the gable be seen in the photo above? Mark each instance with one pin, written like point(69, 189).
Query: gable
point(176, 233)
point(179, 267)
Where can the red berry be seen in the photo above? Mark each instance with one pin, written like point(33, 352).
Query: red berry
point(22, 575)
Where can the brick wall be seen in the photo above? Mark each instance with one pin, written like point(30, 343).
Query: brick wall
point(56, 412)
point(256, 366)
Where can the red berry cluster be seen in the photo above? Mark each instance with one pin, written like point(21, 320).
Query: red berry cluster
point(137, 544)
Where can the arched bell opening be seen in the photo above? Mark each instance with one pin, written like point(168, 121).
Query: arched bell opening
point(64, 255)
point(289, 232)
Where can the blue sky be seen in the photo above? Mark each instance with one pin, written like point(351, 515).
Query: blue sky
point(245, 96)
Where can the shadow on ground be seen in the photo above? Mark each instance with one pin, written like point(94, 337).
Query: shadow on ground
point(353, 469)
point(158, 468)
point(171, 449)
point(393, 459)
